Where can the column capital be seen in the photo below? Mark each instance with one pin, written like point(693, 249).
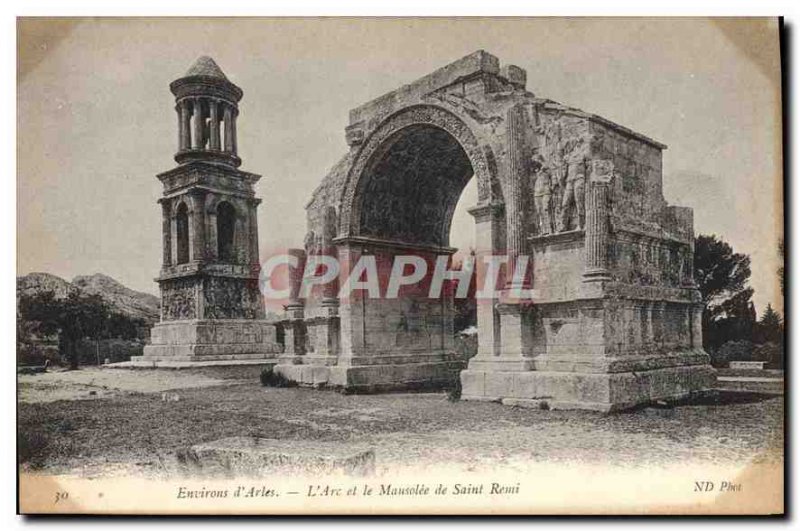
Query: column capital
point(485, 211)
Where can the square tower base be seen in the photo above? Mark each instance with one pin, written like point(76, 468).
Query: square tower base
point(211, 340)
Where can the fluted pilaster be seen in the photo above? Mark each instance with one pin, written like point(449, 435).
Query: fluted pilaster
point(597, 227)
point(166, 231)
point(198, 225)
point(515, 140)
point(254, 254)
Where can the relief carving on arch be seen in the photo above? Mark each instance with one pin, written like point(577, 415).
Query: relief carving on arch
point(558, 173)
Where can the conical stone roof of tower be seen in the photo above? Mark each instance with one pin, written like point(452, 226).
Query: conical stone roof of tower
point(207, 67)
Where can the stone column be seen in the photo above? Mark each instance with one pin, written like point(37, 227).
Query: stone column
point(328, 323)
point(515, 142)
point(597, 213)
point(330, 294)
point(352, 310)
point(294, 307)
point(489, 225)
point(234, 144)
point(255, 258)
point(173, 231)
point(184, 126)
point(166, 231)
point(696, 310)
point(227, 118)
point(198, 142)
point(198, 225)
point(213, 106)
point(294, 327)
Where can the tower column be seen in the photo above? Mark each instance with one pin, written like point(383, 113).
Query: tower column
point(166, 231)
point(184, 133)
point(254, 255)
point(213, 106)
point(173, 233)
point(198, 141)
point(227, 118)
point(198, 225)
point(234, 144)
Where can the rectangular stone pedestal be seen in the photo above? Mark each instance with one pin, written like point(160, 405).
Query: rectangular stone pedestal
point(211, 340)
point(585, 390)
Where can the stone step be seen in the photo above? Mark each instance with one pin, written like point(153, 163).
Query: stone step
point(172, 364)
point(216, 357)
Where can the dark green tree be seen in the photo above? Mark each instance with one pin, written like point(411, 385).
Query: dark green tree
point(722, 276)
point(770, 327)
point(75, 317)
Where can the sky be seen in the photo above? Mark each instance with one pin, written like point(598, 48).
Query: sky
point(96, 119)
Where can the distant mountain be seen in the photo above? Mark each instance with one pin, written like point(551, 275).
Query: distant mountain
point(119, 297)
point(34, 283)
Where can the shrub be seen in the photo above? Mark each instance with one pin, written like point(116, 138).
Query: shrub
point(270, 378)
point(466, 344)
point(454, 387)
point(741, 350)
point(772, 353)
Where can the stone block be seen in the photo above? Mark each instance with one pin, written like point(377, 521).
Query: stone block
point(515, 75)
point(255, 457)
point(472, 383)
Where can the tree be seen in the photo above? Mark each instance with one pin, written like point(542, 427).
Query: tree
point(722, 277)
point(770, 327)
point(75, 317)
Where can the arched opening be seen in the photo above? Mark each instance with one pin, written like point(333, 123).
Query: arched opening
point(182, 233)
point(405, 203)
point(410, 188)
point(226, 227)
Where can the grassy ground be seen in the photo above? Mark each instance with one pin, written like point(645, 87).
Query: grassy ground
point(121, 427)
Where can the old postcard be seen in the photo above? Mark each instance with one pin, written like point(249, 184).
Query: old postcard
point(400, 266)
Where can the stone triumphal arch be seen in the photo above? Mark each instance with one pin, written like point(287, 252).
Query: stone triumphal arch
point(615, 315)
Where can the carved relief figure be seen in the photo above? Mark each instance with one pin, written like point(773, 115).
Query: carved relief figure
point(178, 300)
point(543, 188)
point(574, 186)
point(309, 243)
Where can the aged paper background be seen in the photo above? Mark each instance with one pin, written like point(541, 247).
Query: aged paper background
point(94, 127)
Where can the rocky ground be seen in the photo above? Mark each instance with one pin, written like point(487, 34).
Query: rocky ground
point(105, 421)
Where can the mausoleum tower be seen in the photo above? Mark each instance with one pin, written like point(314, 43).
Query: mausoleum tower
point(211, 306)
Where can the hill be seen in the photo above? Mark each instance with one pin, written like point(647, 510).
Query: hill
point(119, 297)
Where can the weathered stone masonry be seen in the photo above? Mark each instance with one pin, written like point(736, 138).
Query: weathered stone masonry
point(615, 320)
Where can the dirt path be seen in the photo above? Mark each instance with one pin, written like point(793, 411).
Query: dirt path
point(93, 383)
point(138, 421)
